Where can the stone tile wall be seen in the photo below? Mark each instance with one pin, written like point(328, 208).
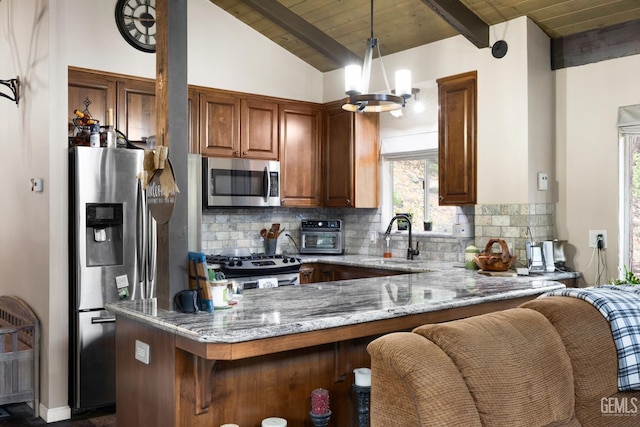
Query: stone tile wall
point(240, 228)
point(510, 223)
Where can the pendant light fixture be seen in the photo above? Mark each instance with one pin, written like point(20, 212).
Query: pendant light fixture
point(357, 84)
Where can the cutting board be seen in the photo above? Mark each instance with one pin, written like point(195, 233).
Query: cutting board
point(508, 273)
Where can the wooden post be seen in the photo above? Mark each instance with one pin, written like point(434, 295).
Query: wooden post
point(172, 131)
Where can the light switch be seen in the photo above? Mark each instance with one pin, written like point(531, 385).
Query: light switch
point(543, 181)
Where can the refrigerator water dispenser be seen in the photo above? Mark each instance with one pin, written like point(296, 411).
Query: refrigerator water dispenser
point(104, 241)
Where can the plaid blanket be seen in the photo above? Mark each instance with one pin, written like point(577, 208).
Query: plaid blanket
point(620, 305)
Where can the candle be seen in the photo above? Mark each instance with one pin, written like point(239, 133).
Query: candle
point(363, 377)
point(319, 401)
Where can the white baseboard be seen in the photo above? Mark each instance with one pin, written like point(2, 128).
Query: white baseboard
point(55, 414)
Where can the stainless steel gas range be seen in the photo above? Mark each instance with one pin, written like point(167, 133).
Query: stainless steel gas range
point(247, 269)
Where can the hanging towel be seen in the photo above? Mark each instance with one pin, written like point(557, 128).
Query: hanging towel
point(268, 282)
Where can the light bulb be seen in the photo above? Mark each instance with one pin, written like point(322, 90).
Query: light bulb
point(403, 83)
point(396, 113)
point(352, 77)
point(418, 107)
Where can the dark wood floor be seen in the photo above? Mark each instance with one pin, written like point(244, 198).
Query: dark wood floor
point(21, 415)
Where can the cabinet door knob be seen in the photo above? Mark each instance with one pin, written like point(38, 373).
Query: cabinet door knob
point(236, 154)
point(348, 202)
point(244, 153)
point(441, 197)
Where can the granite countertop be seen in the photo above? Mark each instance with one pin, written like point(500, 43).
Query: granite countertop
point(264, 313)
point(414, 266)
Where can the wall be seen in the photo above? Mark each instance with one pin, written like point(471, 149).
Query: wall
point(503, 100)
point(227, 229)
point(587, 101)
point(28, 238)
point(38, 41)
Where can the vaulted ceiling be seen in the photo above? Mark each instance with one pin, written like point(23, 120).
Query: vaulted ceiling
point(328, 34)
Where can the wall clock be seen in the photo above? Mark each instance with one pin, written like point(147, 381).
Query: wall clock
point(136, 21)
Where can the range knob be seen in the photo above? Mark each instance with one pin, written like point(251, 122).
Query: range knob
point(231, 263)
point(285, 260)
point(293, 260)
point(239, 263)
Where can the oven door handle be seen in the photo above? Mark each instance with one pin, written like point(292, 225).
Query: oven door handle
point(253, 284)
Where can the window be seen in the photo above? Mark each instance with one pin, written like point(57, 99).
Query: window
point(410, 182)
point(634, 198)
point(629, 126)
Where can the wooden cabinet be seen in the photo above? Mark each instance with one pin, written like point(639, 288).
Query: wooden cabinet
point(96, 90)
point(457, 153)
point(193, 105)
point(300, 155)
point(219, 124)
point(319, 272)
point(307, 272)
point(351, 158)
point(133, 100)
point(136, 112)
point(231, 126)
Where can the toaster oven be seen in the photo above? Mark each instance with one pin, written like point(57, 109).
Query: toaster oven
point(321, 237)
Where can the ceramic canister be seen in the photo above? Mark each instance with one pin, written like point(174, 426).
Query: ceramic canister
point(469, 253)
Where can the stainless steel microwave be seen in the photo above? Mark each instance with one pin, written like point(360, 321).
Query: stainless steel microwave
point(240, 182)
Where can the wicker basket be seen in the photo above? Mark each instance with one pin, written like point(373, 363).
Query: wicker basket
point(489, 261)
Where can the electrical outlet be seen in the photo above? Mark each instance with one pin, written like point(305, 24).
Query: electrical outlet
point(373, 237)
point(593, 238)
point(142, 352)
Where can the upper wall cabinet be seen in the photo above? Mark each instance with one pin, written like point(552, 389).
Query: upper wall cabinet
point(133, 101)
point(136, 113)
point(457, 153)
point(193, 116)
point(300, 155)
point(232, 126)
point(93, 91)
point(351, 158)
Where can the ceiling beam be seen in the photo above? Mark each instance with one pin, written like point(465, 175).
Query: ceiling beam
point(596, 45)
point(463, 20)
point(308, 33)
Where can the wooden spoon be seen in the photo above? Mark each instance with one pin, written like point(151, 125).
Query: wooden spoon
point(263, 233)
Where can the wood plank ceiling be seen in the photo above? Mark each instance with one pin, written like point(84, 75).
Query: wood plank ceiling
point(327, 34)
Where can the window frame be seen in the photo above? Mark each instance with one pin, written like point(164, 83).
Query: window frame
point(428, 155)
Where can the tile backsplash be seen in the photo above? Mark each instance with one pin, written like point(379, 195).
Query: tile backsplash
point(511, 221)
point(230, 228)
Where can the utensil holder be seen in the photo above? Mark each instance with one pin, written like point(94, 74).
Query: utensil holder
point(270, 246)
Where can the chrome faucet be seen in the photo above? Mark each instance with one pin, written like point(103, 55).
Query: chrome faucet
point(410, 251)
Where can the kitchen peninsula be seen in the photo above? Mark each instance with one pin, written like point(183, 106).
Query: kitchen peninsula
point(264, 356)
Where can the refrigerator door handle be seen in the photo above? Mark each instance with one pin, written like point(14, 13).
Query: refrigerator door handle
point(140, 244)
point(100, 319)
point(152, 255)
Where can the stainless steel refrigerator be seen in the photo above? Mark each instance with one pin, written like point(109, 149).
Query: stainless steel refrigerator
point(112, 245)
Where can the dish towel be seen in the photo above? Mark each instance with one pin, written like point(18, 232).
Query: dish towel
point(620, 305)
point(268, 282)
